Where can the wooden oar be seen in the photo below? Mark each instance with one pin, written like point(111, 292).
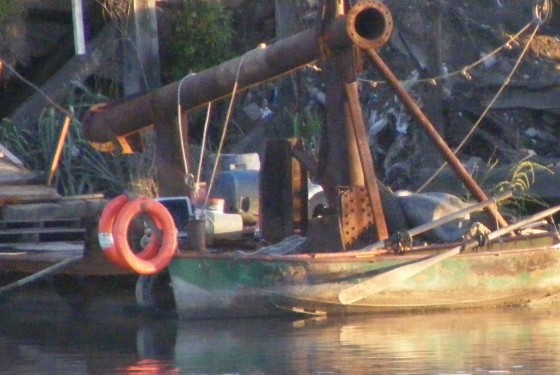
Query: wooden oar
point(443, 220)
point(43, 273)
point(378, 283)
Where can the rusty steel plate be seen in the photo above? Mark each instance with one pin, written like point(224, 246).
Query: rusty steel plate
point(357, 216)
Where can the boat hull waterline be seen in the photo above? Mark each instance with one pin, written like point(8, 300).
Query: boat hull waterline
point(508, 273)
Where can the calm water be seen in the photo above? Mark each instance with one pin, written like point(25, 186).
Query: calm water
point(515, 341)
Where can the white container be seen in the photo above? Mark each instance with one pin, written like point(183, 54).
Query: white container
point(221, 225)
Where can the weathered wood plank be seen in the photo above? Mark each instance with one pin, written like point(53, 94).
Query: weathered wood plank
point(41, 230)
point(60, 210)
point(41, 246)
point(11, 194)
point(32, 262)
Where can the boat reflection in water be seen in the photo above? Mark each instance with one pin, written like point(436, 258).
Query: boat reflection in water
point(520, 341)
point(517, 341)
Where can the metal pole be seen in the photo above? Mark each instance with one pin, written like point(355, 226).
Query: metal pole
point(432, 133)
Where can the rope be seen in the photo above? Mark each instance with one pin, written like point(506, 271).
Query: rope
point(463, 72)
point(226, 121)
point(203, 143)
point(490, 105)
point(180, 122)
point(542, 12)
point(38, 90)
point(224, 131)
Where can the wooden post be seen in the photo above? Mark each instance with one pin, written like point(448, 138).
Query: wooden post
point(79, 30)
point(283, 191)
point(141, 59)
point(58, 152)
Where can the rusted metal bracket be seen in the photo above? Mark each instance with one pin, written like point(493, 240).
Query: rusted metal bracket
point(356, 219)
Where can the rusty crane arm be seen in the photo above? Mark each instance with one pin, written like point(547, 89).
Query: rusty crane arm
point(256, 66)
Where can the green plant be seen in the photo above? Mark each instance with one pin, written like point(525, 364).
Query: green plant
point(521, 178)
point(115, 10)
point(307, 125)
point(82, 169)
point(9, 9)
point(203, 37)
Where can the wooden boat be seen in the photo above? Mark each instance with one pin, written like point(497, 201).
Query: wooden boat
point(514, 271)
point(330, 269)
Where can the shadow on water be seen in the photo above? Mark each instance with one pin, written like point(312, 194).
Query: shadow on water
point(42, 339)
point(43, 331)
point(48, 344)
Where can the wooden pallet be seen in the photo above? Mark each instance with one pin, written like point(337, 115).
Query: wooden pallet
point(47, 229)
point(51, 219)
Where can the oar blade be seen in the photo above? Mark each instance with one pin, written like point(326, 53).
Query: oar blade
point(386, 280)
point(379, 283)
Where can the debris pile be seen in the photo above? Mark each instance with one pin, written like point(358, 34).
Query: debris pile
point(486, 74)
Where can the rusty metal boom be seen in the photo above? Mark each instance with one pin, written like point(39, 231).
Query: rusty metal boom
point(369, 28)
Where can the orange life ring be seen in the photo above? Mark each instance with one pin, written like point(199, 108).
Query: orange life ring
point(163, 220)
point(105, 234)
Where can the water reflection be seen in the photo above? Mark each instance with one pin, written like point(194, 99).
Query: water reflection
point(149, 367)
point(515, 341)
point(505, 341)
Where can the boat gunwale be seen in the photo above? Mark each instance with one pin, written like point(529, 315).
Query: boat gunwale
point(380, 254)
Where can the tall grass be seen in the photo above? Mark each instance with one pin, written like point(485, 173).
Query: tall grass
point(519, 180)
point(522, 177)
point(82, 169)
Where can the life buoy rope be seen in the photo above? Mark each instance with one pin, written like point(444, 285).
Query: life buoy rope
point(114, 241)
point(163, 220)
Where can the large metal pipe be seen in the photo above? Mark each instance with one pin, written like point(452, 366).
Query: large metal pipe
point(369, 23)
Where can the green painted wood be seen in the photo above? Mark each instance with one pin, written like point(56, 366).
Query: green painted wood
point(514, 272)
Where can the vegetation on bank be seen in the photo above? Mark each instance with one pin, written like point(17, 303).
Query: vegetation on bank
point(9, 9)
point(83, 169)
point(11, 12)
point(203, 36)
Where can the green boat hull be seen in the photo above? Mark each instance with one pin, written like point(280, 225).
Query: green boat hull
point(221, 285)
